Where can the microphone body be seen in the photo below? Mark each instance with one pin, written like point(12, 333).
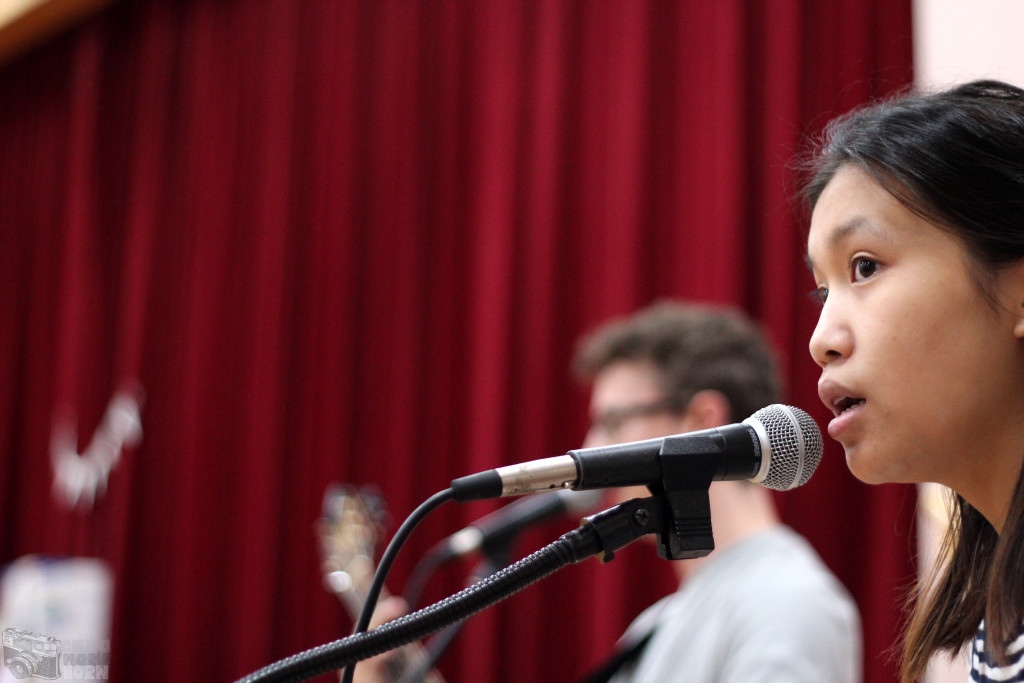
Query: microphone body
point(778, 447)
point(494, 532)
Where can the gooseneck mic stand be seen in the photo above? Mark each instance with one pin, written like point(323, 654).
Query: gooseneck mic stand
point(599, 536)
point(496, 558)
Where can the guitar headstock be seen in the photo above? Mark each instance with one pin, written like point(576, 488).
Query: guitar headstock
point(351, 526)
point(353, 523)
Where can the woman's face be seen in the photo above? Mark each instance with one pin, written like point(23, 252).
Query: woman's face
point(924, 375)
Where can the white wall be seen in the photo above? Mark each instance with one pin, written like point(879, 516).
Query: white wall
point(958, 40)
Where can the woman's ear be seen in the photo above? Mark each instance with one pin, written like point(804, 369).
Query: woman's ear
point(708, 408)
point(1018, 283)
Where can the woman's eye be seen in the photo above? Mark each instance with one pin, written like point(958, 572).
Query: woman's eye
point(863, 268)
point(819, 295)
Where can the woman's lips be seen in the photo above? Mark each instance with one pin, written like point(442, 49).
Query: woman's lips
point(845, 405)
point(849, 411)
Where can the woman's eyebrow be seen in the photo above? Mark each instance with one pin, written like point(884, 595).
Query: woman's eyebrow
point(844, 230)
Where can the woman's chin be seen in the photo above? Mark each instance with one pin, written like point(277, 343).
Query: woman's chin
point(866, 468)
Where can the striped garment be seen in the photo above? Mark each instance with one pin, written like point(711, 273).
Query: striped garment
point(985, 670)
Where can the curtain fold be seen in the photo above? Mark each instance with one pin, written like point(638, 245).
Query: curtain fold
point(356, 242)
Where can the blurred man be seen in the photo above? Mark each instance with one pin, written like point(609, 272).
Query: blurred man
point(762, 606)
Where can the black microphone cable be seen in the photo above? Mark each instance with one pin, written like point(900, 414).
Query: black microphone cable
point(388, 559)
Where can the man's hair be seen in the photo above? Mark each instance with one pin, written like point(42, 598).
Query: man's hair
point(693, 347)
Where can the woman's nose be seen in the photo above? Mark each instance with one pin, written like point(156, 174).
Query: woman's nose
point(831, 339)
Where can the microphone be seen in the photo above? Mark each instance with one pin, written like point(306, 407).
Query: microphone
point(496, 530)
point(778, 447)
point(493, 534)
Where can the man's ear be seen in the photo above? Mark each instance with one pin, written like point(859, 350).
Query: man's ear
point(708, 408)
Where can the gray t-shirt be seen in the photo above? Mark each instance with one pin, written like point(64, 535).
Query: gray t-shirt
point(763, 609)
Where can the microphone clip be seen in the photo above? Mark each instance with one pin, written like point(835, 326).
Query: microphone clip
point(685, 537)
point(621, 524)
point(688, 467)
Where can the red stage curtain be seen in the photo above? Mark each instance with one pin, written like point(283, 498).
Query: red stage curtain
point(355, 241)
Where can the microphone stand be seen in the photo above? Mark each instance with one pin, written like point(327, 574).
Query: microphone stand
point(599, 536)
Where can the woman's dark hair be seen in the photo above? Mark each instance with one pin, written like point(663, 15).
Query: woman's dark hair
point(956, 158)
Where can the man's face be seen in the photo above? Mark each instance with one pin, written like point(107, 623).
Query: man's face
point(628, 404)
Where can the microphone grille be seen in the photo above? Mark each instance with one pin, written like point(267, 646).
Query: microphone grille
point(794, 445)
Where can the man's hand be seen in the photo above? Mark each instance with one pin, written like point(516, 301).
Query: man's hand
point(379, 669)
